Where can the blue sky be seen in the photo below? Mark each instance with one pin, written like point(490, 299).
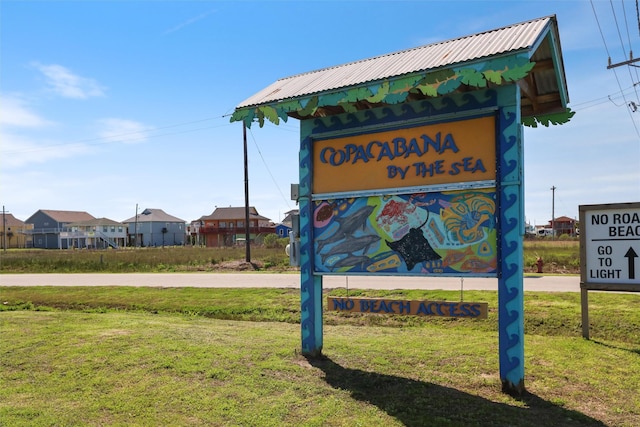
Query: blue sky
point(109, 104)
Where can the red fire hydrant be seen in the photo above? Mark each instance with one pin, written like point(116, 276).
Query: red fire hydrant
point(539, 263)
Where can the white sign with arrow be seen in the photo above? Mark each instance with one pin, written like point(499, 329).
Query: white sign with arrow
point(610, 244)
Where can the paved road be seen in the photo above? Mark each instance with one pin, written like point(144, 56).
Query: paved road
point(268, 280)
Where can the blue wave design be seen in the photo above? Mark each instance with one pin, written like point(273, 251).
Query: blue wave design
point(510, 323)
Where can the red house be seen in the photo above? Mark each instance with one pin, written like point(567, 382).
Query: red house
point(226, 226)
point(563, 225)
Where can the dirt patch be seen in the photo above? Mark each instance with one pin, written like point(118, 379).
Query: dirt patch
point(238, 266)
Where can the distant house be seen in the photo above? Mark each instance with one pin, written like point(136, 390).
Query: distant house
point(51, 228)
point(15, 233)
point(99, 233)
point(154, 227)
point(284, 228)
point(226, 226)
point(563, 225)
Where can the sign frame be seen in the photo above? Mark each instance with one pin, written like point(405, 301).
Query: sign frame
point(589, 238)
point(587, 241)
point(504, 104)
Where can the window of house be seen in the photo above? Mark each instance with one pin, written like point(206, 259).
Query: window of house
point(120, 229)
point(113, 228)
point(223, 224)
point(240, 223)
point(281, 232)
point(104, 228)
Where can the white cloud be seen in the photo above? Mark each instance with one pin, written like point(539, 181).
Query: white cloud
point(15, 112)
point(67, 84)
point(19, 150)
point(122, 130)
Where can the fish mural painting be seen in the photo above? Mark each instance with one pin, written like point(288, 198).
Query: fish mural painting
point(445, 233)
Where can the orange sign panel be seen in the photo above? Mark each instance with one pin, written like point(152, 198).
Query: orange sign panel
point(442, 153)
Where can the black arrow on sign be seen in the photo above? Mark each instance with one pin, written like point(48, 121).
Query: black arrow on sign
point(631, 254)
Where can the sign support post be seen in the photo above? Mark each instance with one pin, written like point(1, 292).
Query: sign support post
point(511, 228)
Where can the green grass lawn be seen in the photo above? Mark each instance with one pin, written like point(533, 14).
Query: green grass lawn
point(230, 357)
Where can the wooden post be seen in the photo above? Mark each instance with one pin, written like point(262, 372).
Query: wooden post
point(584, 302)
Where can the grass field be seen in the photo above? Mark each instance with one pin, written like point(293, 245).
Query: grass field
point(230, 357)
point(559, 256)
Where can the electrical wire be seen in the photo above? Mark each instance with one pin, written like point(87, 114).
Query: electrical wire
point(269, 170)
point(614, 70)
point(626, 23)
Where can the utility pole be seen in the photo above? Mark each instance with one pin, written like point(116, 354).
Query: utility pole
point(4, 230)
point(135, 230)
point(246, 197)
point(553, 213)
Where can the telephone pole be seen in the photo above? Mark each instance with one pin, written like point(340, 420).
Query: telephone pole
point(553, 213)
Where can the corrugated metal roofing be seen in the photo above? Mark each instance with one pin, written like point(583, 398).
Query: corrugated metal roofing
point(510, 39)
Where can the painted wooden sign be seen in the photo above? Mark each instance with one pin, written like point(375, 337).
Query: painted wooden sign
point(442, 233)
point(474, 310)
point(447, 152)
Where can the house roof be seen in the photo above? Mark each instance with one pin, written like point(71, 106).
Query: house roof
point(153, 215)
point(234, 213)
point(468, 60)
point(65, 216)
point(12, 221)
point(564, 219)
point(288, 219)
point(96, 222)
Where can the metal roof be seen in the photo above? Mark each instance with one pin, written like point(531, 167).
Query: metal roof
point(507, 40)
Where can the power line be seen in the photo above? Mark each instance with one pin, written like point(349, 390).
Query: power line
point(626, 23)
point(595, 14)
point(269, 171)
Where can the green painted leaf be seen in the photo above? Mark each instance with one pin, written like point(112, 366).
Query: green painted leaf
point(270, 114)
point(260, 116)
point(404, 85)
point(396, 98)
point(331, 98)
point(379, 95)
point(493, 76)
point(428, 90)
point(348, 107)
point(549, 119)
point(282, 114)
point(310, 107)
point(471, 77)
point(357, 94)
point(437, 77)
point(289, 106)
point(518, 72)
point(251, 114)
point(238, 115)
point(448, 86)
